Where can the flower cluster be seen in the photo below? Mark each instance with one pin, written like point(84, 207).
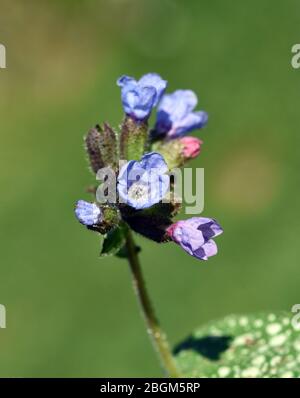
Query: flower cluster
point(143, 182)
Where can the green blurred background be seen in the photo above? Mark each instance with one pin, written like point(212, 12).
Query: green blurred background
point(70, 313)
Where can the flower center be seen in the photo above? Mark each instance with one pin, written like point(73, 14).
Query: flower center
point(138, 192)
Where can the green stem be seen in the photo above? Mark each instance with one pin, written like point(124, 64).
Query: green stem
point(157, 336)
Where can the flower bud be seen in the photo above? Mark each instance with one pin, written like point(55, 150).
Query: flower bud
point(178, 151)
point(92, 146)
point(88, 213)
point(108, 146)
point(101, 147)
point(191, 147)
point(97, 218)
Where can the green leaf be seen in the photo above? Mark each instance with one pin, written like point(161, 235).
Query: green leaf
point(113, 242)
point(262, 345)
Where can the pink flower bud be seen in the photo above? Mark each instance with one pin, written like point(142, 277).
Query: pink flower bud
point(191, 147)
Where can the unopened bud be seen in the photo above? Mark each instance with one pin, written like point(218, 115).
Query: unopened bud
point(191, 147)
point(108, 146)
point(92, 145)
point(177, 152)
point(101, 147)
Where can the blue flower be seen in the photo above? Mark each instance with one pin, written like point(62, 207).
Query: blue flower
point(88, 213)
point(144, 183)
point(139, 97)
point(195, 236)
point(175, 116)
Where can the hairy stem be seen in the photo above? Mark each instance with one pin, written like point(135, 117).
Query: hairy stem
point(157, 336)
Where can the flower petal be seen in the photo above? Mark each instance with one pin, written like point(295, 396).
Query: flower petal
point(138, 103)
point(189, 238)
point(178, 104)
point(175, 114)
point(207, 250)
point(125, 80)
point(154, 161)
point(192, 121)
point(130, 173)
point(208, 226)
point(154, 80)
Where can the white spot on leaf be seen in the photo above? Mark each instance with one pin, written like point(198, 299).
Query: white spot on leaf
point(224, 371)
point(277, 340)
point(243, 321)
point(273, 328)
point(250, 372)
point(258, 361)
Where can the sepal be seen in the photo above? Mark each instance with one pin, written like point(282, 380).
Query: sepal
point(133, 140)
point(172, 151)
point(110, 219)
point(151, 225)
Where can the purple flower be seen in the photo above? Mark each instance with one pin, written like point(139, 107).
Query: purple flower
point(88, 213)
point(139, 97)
point(195, 236)
point(175, 116)
point(144, 183)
